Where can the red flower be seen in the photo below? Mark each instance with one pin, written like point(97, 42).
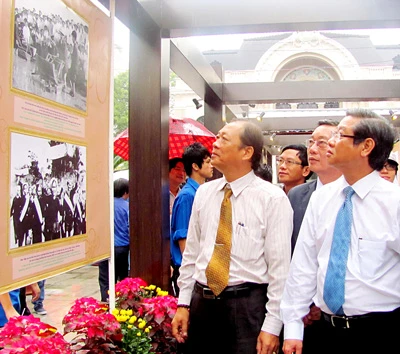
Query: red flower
point(93, 323)
point(28, 335)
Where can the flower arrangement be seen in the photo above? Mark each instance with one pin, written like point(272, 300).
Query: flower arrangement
point(94, 325)
point(140, 324)
point(135, 332)
point(28, 335)
point(154, 306)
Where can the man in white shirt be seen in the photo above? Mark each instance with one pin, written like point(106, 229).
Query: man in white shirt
point(244, 317)
point(368, 316)
point(299, 198)
point(177, 176)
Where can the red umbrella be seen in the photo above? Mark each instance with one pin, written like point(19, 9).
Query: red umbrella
point(182, 132)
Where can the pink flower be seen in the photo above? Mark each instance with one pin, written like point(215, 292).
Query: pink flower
point(28, 335)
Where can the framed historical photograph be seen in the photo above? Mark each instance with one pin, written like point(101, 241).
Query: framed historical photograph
point(47, 190)
point(50, 55)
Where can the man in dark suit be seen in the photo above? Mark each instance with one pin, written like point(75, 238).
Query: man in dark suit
point(299, 197)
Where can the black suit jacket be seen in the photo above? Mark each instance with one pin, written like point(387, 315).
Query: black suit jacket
point(299, 197)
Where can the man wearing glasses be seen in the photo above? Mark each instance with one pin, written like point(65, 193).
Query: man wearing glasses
point(299, 197)
point(347, 256)
point(293, 166)
point(389, 170)
point(317, 147)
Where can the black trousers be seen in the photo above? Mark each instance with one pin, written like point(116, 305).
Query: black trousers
point(228, 325)
point(174, 281)
point(313, 338)
point(374, 334)
point(121, 270)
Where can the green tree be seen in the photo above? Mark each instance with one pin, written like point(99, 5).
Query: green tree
point(121, 102)
point(120, 163)
point(121, 109)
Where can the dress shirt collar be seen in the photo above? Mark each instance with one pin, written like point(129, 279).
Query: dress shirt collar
point(363, 186)
point(172, 194)
point(191, 182)
point(319, 184)
point(239, 184)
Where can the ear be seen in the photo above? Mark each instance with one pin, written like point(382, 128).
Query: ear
point(306, 171)
point(248, 152)
point(195, 167)
point(367, 146)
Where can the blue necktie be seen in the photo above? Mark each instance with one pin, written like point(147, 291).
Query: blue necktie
point(335, 275)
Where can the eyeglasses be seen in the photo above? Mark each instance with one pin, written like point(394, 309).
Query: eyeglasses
point(280, 161)
point(321, 144)
point(389, 167)
point(339, 136)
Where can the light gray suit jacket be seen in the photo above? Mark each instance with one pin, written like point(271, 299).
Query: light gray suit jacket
point(299, 197)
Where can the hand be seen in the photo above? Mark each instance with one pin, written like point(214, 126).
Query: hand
point(12, 312)
point(9, 310)
point(267, 343)
point(313, 315)
point(35, 290)
point(180, 324)
point(292, 346)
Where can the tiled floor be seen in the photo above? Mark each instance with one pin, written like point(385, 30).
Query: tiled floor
point(62, 290)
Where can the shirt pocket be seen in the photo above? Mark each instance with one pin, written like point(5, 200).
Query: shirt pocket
point(247, 243)
point(371, 255)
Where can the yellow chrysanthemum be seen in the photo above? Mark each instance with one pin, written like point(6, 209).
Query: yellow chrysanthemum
point(142, 324)
point(139, 334)
point(132, 320)
point(129, 312)
point(123, 312)
point(147, 330)
point(115, 312)
point(130, 326)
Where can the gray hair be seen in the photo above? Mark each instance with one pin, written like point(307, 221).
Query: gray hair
point(374, 126)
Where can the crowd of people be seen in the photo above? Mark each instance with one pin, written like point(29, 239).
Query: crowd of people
point(303, 267)
point(252, 262)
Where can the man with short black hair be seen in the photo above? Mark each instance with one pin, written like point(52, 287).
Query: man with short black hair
point(197, 161)
point(293, 166)
point(176, 178)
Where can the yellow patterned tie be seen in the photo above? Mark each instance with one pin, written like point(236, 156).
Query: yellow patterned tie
point(217, 271)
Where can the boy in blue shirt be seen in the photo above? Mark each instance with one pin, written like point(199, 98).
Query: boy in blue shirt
point(197, 163)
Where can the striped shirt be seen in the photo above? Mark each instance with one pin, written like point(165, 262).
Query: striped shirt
point(262, 226)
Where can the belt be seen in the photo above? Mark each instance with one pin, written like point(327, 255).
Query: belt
point(229, 292)
point(346, 322)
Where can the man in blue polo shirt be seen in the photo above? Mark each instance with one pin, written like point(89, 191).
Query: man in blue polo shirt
point(197, 163)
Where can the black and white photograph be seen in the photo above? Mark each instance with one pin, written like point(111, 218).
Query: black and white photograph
point(50, 55)
point(47, 190)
